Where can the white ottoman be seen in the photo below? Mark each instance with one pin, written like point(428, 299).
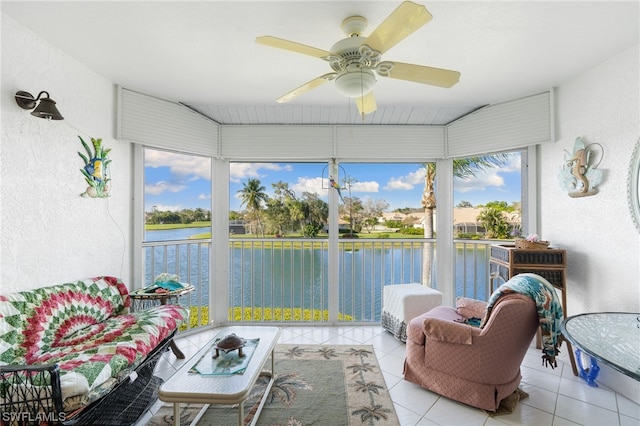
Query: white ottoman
point(404, 302)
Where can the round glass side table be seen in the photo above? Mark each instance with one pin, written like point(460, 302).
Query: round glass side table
point(610, 337)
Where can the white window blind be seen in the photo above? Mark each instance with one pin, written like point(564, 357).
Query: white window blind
point(505, 126)
point(274, 142)
point(158, 123)
point(395, 143)
point(509, 125)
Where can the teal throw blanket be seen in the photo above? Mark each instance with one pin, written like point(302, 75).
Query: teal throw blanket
point(548, 308)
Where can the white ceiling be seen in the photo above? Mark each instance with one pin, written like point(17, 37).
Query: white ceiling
point(203, 54)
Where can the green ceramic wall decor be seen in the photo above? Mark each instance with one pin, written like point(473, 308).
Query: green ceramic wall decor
point(96, 169)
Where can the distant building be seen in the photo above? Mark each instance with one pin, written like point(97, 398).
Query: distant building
point(237, 227)
point(342, 225)
point(464, 220)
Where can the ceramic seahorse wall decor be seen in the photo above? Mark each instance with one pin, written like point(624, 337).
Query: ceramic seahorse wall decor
point(580, 175)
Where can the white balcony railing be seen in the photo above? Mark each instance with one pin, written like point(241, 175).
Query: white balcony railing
point(286, 280)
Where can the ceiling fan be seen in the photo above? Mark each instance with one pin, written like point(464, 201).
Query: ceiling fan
point(356, 60)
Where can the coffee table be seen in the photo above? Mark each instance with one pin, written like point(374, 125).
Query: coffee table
point(188, 387)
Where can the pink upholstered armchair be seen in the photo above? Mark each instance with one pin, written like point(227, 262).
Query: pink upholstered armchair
point(476, 366)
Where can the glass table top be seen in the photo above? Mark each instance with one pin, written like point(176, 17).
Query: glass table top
point(611, 337)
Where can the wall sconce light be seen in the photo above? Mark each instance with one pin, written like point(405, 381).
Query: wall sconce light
point(45, 109)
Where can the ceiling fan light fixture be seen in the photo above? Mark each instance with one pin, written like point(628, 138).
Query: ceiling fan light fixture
point(354, 84)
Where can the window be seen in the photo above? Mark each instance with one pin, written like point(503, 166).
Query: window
point(177, 223)
point(279, 216)
point(487, 208)
point(177, 195)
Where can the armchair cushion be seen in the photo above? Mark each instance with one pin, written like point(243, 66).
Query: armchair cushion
point(471, 308)
point(449, 332)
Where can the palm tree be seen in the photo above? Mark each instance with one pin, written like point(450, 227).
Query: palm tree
point(462, 168)
point(494, 222)
point(253, 195)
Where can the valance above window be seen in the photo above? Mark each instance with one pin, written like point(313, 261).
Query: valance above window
point(506, 126)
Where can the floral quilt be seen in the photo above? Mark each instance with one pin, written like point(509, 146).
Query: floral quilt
point(86, 328)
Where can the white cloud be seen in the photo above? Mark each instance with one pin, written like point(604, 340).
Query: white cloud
point(482, 181)
point(204, 197)
point(241, 171)
point(161, 187)
point(305, 184)
point(318, 185)
point(406, 183)
point(179, 164)
point(398, 183)
point(371, 186)
point(488, 179)
point(166, 207)
point(515, 165)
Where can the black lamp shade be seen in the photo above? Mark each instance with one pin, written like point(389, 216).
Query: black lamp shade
point(47, 109)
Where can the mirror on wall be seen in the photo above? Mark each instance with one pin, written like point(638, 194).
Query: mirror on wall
point(633, 186)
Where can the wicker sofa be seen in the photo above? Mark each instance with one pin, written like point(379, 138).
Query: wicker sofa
point(73, 353)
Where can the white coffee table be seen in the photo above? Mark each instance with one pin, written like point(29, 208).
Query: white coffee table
point(228, 390)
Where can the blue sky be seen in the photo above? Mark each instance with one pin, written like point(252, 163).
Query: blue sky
point(176, 181)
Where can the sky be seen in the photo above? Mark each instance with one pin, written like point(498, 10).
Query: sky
point(176, 181)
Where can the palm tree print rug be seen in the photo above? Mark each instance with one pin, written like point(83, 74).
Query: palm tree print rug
point(315, 385)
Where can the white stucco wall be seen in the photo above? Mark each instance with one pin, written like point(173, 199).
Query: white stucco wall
point(602, 243)
point(49, 233)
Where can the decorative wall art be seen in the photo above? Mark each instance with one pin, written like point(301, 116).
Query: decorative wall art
point(580, 175)
point(96, 169)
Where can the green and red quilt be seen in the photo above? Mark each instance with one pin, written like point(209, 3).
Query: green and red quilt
point(86, 328)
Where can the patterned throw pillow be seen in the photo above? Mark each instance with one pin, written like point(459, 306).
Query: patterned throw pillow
point(470, 308)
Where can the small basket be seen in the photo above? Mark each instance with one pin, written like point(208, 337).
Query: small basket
point(521, 243)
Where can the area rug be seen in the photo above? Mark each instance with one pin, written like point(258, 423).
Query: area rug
point(315, 385)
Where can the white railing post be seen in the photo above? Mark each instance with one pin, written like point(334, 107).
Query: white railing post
point(219, 251)
point(445, 269)
point(334, 253)
point(137, 254)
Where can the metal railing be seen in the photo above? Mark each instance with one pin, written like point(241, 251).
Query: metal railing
point(286, 280)
point(189, 259)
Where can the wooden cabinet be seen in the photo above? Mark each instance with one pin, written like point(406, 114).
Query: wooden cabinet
point(507, 261)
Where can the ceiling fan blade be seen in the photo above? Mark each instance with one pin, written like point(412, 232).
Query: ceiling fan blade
point(307, 87)
point(402, 22)
point(367, 103)
point(292, 46)
point(421, 74)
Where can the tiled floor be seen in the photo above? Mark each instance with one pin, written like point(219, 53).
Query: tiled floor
point(556, 397)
